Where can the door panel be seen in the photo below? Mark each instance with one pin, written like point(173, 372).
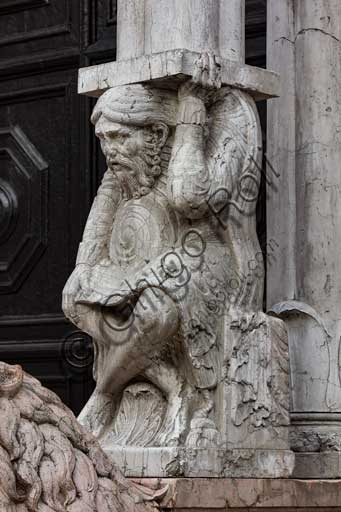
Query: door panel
point(48, 176)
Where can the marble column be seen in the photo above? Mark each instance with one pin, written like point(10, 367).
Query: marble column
point(153, 26)
point(304, 218)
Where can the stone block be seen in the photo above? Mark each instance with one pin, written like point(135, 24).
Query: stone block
point(170, 68)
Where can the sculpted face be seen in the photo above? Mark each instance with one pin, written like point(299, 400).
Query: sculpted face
point(132, 153)
point(118, 138)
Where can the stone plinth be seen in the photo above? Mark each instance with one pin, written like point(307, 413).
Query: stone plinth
point(251, 495)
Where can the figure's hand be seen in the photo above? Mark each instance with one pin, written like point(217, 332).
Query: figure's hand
point(196, 93)
point(106, 287)
point(206, 78)
point(78, 281)
point(207, 72)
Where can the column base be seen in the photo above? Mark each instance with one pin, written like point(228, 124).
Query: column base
point(316, 440)
point(319, 465)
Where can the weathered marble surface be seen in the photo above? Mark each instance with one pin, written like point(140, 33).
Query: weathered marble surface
point(170, 68)
point(164, 462)
point(169, 283)
point(154, 26)
point(50, 463)
point(304, 287)
point(275, 495)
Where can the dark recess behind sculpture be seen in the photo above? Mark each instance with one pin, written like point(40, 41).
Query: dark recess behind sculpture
point(50, 170)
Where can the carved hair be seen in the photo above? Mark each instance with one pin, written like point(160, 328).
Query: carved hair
point(145, 167)
point(139, 105)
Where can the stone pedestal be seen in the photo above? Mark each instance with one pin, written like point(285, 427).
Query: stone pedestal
point(304, 281)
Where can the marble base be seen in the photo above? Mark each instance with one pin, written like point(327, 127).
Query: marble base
point(316, 440)
point(325, 465)
point(270, 495)
point(196, 462)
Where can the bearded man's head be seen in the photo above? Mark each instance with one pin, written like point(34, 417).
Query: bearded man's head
point(133, 124)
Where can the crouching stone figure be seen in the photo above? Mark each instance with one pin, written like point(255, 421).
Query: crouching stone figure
point(169, 271)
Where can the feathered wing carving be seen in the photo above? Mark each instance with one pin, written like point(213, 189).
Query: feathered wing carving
point(233, 148)
point(214, 181)
point(49, 463)
point(234, 160)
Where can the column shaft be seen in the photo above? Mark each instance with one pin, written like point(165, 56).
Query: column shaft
point(304, 215)
point(153, 26)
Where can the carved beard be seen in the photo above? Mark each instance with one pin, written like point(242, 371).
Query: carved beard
point(135, 174)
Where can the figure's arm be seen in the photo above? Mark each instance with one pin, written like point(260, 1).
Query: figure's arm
point(94, 245)
point(189, 180)
point(188, 177)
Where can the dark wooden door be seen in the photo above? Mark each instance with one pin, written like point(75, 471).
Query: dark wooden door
point(50, 167)
point(48, 175)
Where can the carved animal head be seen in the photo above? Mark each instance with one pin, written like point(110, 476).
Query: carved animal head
point(132, 123)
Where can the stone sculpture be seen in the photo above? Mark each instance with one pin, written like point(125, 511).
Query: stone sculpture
point(49, 463)
point(169, 283)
